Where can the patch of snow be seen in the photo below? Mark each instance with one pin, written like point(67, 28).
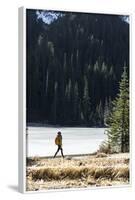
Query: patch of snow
point(48, 16)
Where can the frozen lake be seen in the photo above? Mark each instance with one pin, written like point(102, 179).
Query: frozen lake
point(40, 140)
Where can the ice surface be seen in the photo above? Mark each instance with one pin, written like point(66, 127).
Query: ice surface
point(40, 140)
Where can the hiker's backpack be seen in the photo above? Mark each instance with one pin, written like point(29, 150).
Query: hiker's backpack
point(56, 140)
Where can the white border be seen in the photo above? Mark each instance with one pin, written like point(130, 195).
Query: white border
point(22, 101)
point(22, 97)
point(130, 96)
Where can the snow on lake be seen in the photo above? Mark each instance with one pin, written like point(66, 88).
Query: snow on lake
point(41, 140)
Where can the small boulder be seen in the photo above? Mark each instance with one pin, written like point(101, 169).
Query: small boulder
point(101, 155)
point(68, 158)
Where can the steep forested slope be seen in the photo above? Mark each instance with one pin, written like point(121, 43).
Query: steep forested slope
point(74, 65)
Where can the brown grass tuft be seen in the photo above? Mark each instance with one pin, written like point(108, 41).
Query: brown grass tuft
point(71, 173)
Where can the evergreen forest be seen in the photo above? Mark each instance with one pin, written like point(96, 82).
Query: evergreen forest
point(74, 64)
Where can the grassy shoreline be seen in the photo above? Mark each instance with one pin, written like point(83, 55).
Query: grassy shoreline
point(77, 171)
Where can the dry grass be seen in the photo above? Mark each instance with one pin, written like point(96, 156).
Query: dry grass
point(78, 172)
point(48, 174)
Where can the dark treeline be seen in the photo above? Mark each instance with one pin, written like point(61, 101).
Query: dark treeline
point(74, 65)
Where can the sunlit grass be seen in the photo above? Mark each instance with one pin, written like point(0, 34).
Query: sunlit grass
point(78, 172)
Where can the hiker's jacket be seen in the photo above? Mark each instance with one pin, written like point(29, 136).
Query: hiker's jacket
point(58, 140)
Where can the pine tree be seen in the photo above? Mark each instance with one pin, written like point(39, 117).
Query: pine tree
point(107, 110)
point(75, 103)
point(54, 105)
point(86, 102)
point(118, 134)
point(68, 100)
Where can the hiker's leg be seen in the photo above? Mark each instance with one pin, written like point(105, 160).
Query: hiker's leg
point(62, 152)
point(57, 151)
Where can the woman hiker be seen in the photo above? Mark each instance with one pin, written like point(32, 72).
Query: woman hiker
point(58, 142)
